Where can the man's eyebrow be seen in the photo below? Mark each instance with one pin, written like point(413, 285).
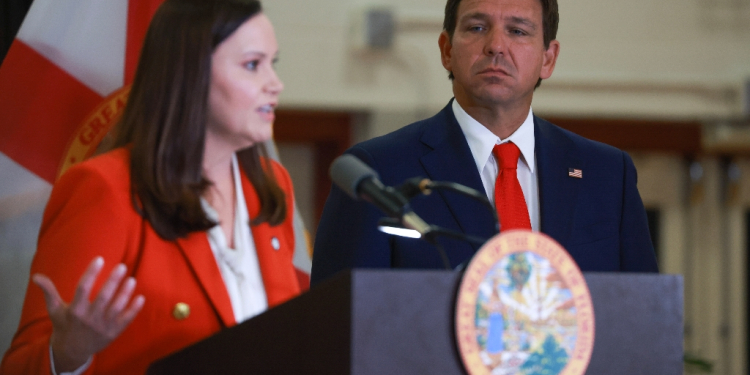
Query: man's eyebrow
point(479, 16)
point(522, 21)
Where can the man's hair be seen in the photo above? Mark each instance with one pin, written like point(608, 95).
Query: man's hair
point(164, 120)
point(550, 19)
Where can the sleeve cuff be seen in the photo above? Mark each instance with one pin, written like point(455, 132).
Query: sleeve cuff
point(78, 371)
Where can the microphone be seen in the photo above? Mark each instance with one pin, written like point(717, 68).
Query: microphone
point(360, 181)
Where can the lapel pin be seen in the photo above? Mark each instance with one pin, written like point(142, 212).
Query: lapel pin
point(574, 172)
point(275, 243)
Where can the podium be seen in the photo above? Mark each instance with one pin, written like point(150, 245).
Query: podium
point(401, 322)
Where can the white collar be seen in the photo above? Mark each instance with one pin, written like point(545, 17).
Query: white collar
point(481, 140)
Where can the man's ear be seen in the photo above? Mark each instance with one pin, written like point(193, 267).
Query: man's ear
point(550, 59)
point(444, 42)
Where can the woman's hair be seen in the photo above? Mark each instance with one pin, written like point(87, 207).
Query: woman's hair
point(164, 121)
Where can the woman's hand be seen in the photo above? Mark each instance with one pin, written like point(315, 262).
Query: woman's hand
point(82, 328)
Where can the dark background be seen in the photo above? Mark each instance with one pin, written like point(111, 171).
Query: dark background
point(11, 17)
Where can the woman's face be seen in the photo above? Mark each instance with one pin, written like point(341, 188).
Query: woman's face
point(244, 88)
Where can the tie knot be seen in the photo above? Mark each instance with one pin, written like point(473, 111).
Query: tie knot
point(507, 155)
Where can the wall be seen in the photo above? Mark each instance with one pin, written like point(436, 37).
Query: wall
point(703, 239)
point(642, 58)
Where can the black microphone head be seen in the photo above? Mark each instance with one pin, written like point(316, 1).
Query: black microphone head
point(347, 172)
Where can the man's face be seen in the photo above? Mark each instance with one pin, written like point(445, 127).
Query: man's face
point(497, 52)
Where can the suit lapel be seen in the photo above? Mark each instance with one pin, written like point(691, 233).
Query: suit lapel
point(197, 252)
point(557, 191)
point(451, 160)
point(274, 248)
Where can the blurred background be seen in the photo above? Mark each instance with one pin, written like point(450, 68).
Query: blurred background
point(667, 80)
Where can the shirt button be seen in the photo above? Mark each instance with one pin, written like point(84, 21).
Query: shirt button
point(275, 243)
point(181, 311)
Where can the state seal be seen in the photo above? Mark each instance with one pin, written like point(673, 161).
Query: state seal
point(84, 143)
point(523, 307)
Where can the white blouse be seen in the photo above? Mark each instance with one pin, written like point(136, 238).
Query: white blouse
point(239, 266)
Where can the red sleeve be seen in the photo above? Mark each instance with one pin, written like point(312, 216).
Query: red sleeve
point(89, 214)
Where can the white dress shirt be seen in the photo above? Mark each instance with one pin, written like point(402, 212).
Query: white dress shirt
point(481, 142)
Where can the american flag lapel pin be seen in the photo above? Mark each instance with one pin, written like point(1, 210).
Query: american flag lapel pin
point(575, 172)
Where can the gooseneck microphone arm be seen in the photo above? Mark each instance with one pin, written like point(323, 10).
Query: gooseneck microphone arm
point(436, 230)
point(360, 181)
point(418, 185)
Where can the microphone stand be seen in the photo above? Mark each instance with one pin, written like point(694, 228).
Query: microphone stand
point(430, 234)
point(416, 186)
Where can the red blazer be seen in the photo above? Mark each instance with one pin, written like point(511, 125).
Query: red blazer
point(89, 214)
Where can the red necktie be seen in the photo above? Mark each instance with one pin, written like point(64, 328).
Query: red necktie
point(509, 200)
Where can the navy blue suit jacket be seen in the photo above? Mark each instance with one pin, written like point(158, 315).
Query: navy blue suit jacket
point(599, 219)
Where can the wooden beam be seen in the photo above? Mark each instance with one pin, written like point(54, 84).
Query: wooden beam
point(640, 135)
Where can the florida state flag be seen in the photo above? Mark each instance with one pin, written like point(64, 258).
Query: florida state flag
point(62, 84)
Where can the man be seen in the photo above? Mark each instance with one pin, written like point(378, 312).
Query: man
point(580, 192)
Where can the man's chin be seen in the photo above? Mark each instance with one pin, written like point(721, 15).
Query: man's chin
point(501, 95)
point(494, 97)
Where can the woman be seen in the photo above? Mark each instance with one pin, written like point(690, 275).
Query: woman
point(187, 216)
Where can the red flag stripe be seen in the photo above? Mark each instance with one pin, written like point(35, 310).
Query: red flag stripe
point(41, 106)
point(139, 16)
point(303, 278)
